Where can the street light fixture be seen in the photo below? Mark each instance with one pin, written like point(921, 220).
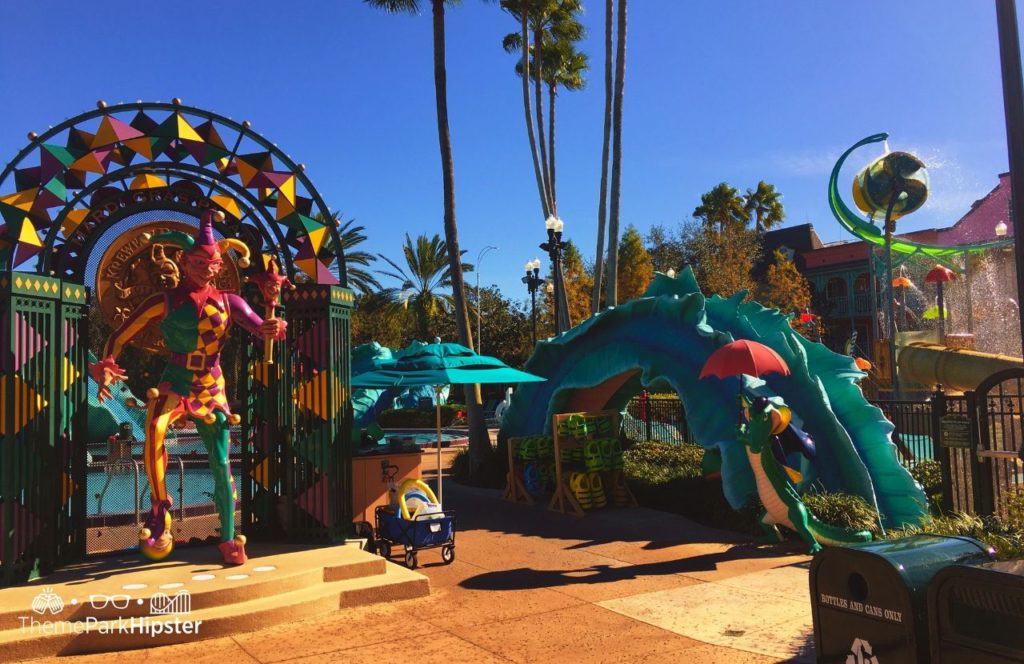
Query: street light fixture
point(479, 306)
point(670, 273)
point(533, 281)
point(1001, 230)
point(554, 247)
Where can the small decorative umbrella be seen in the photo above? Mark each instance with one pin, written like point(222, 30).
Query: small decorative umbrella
point(440, 364)
point(903, 283)
point(939, 275)
point(743, 357)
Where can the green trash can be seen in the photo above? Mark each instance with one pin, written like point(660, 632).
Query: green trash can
point(976, 613)
point(869, 603)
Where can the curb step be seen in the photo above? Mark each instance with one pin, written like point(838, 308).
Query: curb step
point(94, 635)
point(221, 595)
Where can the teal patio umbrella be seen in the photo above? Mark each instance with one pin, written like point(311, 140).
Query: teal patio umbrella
point(441, 364)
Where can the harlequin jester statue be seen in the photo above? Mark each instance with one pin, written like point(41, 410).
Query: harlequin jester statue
point(194, 319)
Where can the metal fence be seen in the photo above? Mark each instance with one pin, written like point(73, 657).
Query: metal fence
point(664, 420)
point(658, 419)
point(117, 490)
point(913, 435)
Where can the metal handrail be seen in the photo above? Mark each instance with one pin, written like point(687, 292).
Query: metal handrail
point(996, 454)
point(138, 511)
point(181, 488)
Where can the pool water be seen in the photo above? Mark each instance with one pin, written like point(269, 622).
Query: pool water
point(119, 496)
point(425, 438)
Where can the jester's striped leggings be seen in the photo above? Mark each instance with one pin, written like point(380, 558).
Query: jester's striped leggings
point(161, 413)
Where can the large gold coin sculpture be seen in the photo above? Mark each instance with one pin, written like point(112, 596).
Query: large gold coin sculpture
point(132, 269)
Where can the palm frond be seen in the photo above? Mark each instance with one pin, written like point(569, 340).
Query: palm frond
point(396, 6)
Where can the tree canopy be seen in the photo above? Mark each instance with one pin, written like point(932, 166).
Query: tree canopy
point(635, 266)
point(425, 280)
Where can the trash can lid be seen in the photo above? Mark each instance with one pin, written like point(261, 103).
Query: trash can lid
point(916, 558)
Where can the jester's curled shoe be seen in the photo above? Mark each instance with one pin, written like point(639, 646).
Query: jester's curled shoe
point(155, 540)
point(233, 550)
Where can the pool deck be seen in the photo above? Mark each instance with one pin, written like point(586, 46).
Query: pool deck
point(531, 585)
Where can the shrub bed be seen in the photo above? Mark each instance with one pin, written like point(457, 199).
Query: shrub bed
point(668, 477)
point(415, 418)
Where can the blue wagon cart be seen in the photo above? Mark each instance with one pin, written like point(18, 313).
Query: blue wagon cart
point(425, 531)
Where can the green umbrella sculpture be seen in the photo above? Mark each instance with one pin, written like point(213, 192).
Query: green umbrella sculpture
point(932, 312)
point(441, 364)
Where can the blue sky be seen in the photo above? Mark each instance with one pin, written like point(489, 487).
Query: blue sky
point(734, 91)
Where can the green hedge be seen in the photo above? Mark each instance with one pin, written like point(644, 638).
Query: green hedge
point(842, 509)
point(657, 463)
point(668, 477)
point(414, 418)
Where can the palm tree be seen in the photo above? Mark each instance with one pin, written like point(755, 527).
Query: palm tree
point(613, 221)
point(566, 67)
point(766, 205)
point(595, 300)
point(479, 442)
point(427, 273)
point(722, 208)
point(359, 280)
point(556, 27)
point(522, 10)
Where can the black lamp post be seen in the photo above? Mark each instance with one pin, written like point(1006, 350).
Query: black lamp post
point(533, 281)
point(554, 247)
point(1013, 107)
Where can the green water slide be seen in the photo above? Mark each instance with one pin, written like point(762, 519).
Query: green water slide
point(866, 230)
point(661, 341)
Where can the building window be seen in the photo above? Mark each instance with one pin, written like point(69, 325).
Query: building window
point(860, 284)
point(836, 287)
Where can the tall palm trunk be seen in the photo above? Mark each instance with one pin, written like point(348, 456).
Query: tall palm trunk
point(613, 223)
point(552, 88)
point(479, 441)
point(524, 11)
point(595, 300)
point(545, 165)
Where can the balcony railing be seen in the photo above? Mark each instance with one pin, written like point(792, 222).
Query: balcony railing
point(841, 305)
point(862, 303)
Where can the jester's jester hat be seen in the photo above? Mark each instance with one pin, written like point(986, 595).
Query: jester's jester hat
point(204, 242)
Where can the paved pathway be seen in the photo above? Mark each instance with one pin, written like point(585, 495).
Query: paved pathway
point(529, 585)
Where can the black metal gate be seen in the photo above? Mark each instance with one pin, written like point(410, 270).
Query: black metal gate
point(980, 440)
point(998, 404)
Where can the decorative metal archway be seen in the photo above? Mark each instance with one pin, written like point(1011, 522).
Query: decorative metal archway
point(58, 197)
point(77, 178)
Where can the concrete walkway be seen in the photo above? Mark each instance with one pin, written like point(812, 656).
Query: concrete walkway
point(529, 585)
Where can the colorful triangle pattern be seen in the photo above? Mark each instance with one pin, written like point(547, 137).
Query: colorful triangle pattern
point(63, 170)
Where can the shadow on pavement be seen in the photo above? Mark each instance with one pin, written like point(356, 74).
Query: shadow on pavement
point(530, 579)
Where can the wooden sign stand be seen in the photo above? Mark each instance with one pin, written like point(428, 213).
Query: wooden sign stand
point(563, 499)
point(515, 491)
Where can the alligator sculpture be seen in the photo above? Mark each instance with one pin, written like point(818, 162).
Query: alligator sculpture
point(782, 504)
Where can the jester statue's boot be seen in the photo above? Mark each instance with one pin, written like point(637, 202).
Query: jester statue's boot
point(155, 539)
point(233, 550)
